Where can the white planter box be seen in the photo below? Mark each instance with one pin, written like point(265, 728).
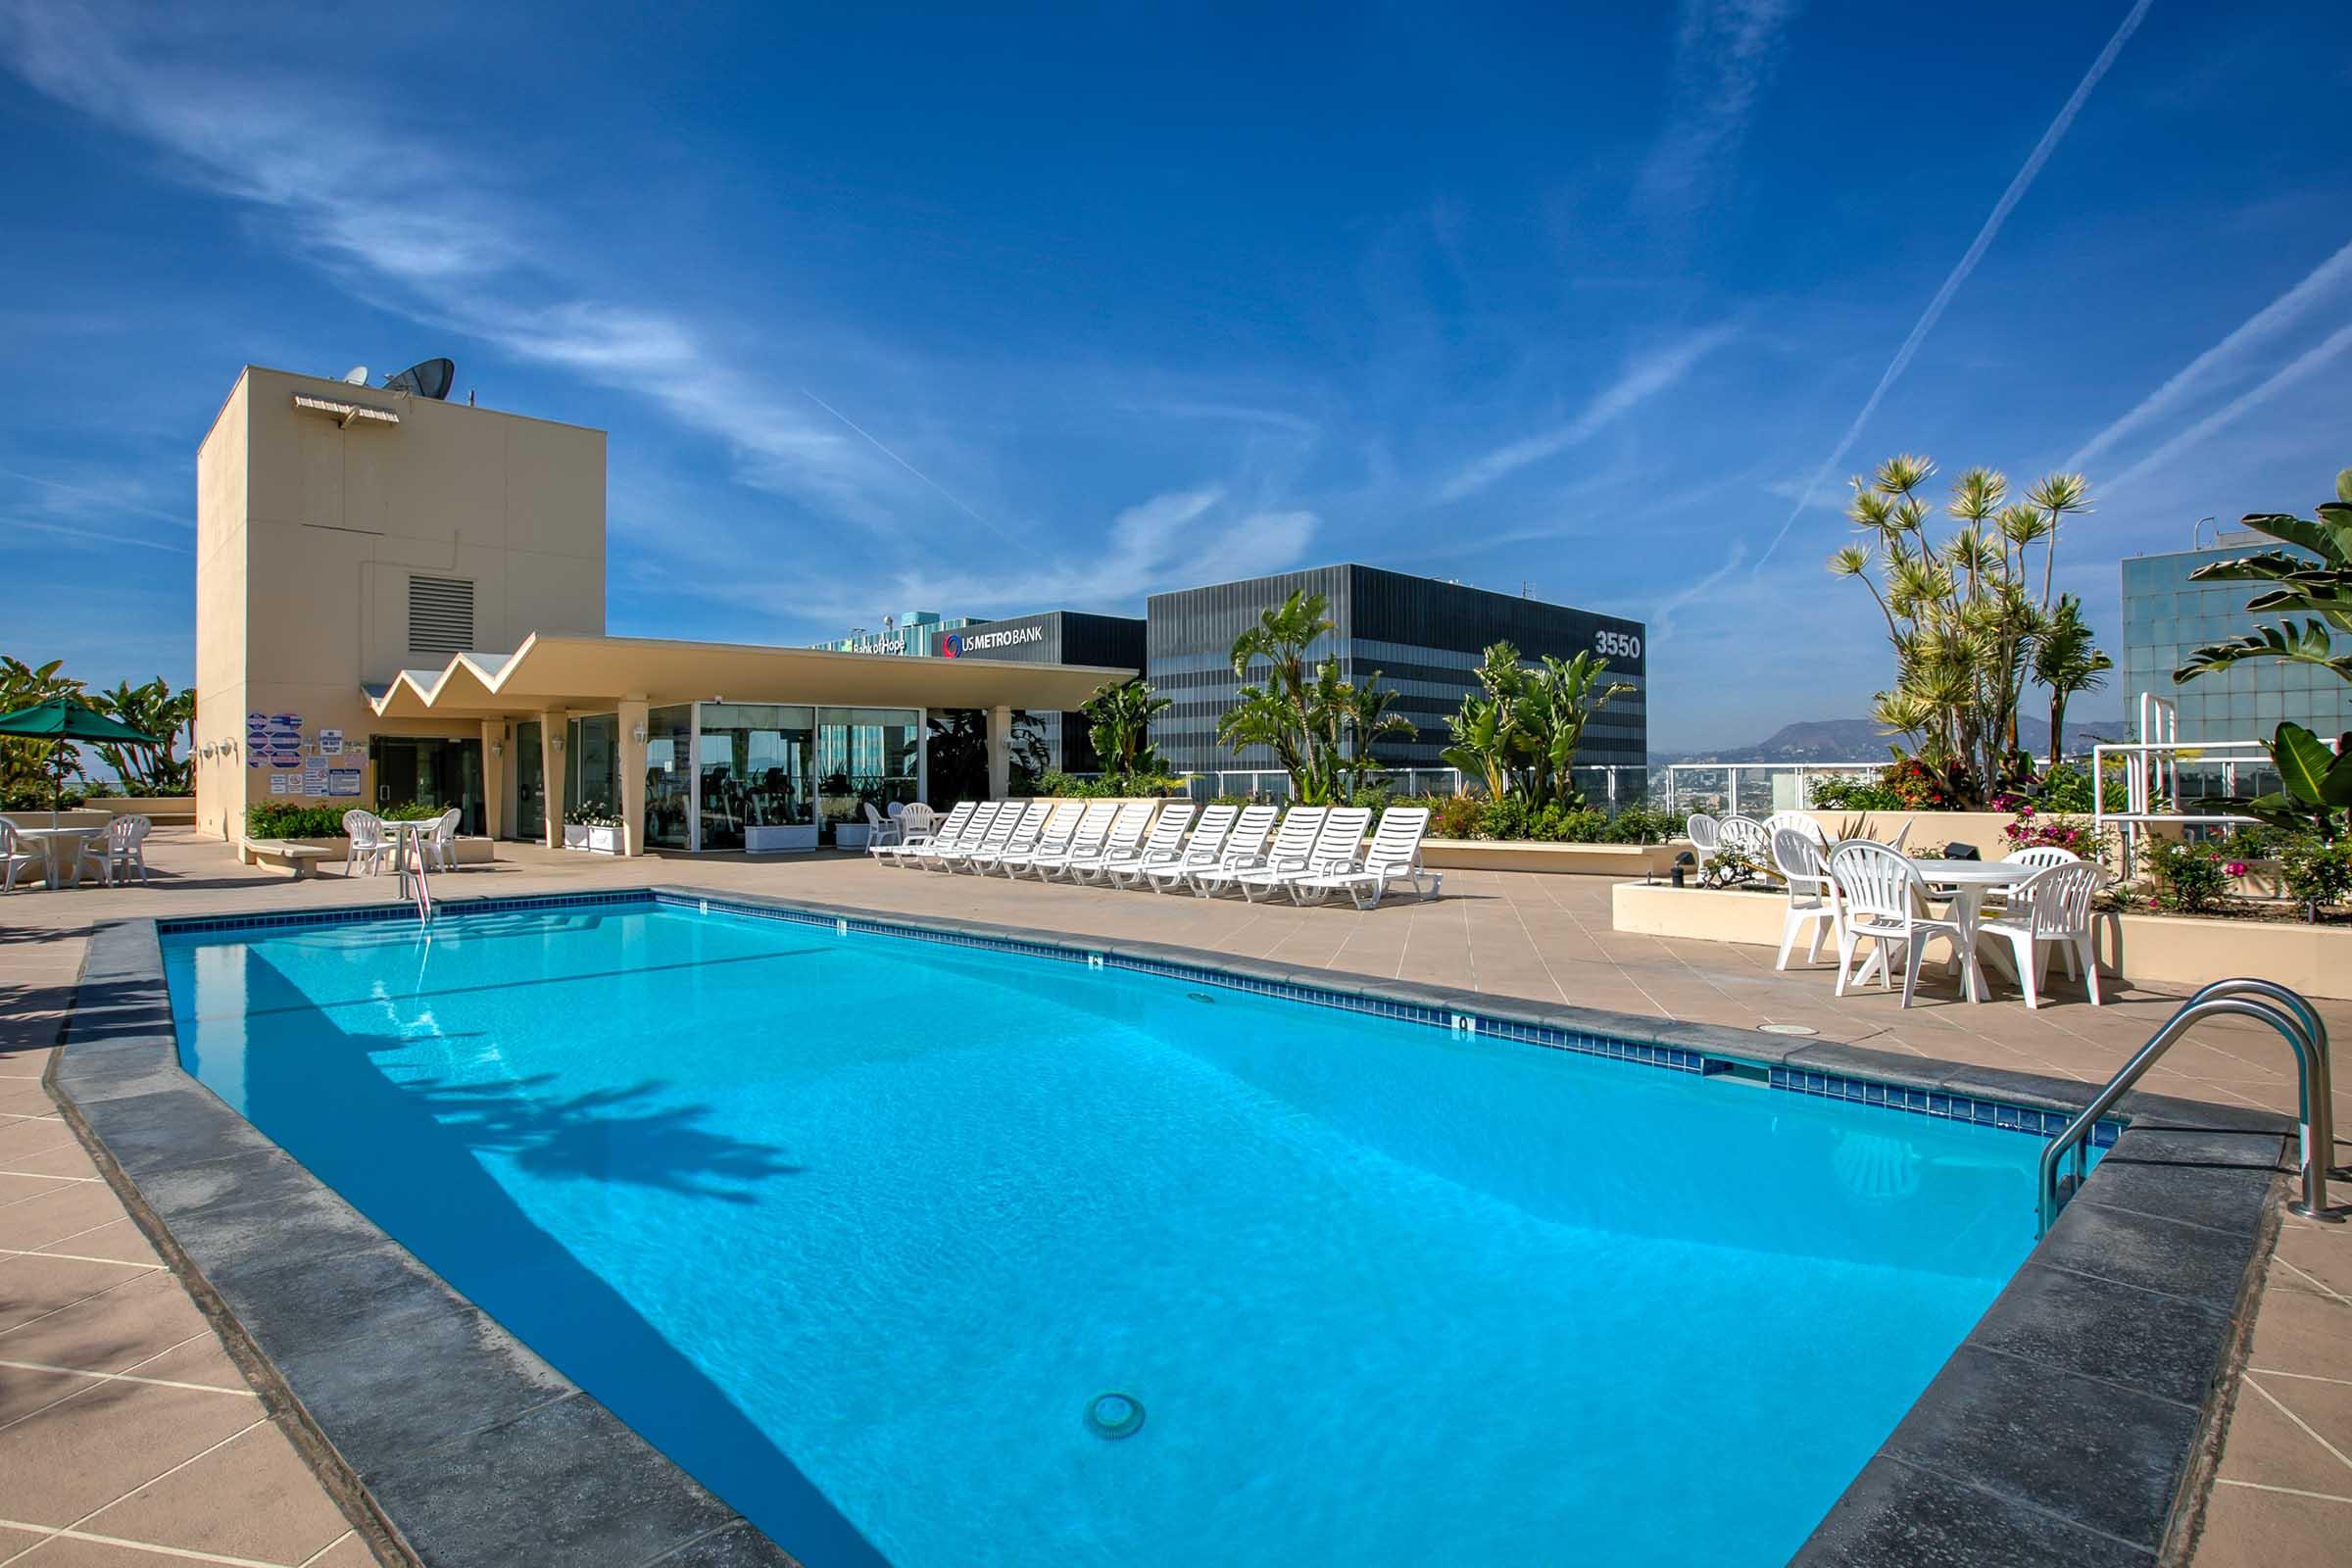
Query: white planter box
point(851, 835)
point(575, 837)
point(776, 838)
point(594, 840)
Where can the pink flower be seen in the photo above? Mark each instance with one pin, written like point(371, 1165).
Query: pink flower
point(2235, 868)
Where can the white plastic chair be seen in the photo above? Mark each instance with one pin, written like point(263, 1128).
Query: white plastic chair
point(2051, 908)
point(1801, 821)
point(919, 835)
point(1745, 835)
point(1804, 863)
point(15, 858)
point(118, 850)
point(1705, 835)
point(2038, 855)
point(441, 844)
point(880, 830)
point(1884, 893)
point(364, 834)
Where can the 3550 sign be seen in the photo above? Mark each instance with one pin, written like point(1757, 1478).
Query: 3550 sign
point(1618, 643)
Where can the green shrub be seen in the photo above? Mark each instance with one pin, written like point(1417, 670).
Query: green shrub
point(411, 812)
point(1454, 816)
point(2316, 872)
point(272, 819)
point(2190, 877)
point(1854, 794)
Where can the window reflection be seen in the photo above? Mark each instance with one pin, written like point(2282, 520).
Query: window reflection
point(669, 776)
point(757, 774)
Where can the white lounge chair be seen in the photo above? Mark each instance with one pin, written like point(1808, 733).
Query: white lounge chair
point(1292, 844)
point(998, 835)
point(1337, 845)
point(2049, 908)
point(1069, 836)
point(974, 830)
point(1884, 893)
point(1165, 843)
point(1127, 830)
point(1027, 834)
point(1812, 893)
point(1242, 843)
point(1394, 855)
point(920, 838)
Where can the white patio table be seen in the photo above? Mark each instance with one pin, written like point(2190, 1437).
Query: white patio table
point(49, 838)
point(1968, 881)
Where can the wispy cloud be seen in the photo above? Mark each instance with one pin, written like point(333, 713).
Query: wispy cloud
point(1277, 420)
point(1985, 235)
point(60, 496)
point(386, 208)
point(1641, 379)
point(2298, 370)
point(1725, 55)
point(96, 536)
point(2225, 358)
point(1662, 617)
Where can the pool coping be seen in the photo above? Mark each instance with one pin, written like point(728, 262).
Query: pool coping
point(2076, 1424)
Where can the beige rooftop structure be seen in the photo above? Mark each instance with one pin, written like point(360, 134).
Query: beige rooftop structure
point(402, 600)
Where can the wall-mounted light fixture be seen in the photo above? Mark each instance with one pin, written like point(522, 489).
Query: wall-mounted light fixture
point(638, 734)
point(555, 740)
point(497, 748)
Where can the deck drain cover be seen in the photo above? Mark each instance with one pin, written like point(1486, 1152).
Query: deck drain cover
point(1114, 1415)
point(1785, 1029)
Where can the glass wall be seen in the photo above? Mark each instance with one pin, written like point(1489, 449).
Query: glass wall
point(427, 770)
point(756, 771)
point(530, 783)
point(862, 754)
point(669, 778)
point(592, 765)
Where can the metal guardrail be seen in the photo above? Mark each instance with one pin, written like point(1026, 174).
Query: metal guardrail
point(2298, 1025)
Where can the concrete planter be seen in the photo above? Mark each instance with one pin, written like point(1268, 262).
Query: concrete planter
point(1575, 859)
point(164, 811)
point(780, 838)
point(594, 840)
point(2174, 951)
point(471, 850)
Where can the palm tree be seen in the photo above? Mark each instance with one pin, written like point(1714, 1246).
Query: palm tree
point(2067, 662)
point(1122, 713)
point(2323, 588)
point(153, 709)
point(1367, 722)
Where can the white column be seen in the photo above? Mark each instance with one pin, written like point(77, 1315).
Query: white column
point(552, 725)
point(631, 722)
point(1000, 752)
point(922, 754)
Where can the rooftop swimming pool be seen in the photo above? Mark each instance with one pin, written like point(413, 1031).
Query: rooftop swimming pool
point(859, 1228)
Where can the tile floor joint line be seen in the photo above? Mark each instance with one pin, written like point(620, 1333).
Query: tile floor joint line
point(2309, 1429)
point(132, 1377)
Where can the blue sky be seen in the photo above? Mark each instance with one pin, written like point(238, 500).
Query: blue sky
point(986, 313)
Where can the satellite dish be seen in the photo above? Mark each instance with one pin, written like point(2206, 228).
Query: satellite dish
point(357, 375)
point(430, 379)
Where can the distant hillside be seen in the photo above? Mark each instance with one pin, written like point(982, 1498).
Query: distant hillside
point(1860, 740)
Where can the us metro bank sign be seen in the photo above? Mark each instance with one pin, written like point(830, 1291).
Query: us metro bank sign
point(956, 644)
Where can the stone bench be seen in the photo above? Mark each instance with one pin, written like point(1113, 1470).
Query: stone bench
point(295, 860)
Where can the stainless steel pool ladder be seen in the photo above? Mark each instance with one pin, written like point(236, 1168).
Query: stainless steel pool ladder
point(2297, 1022)
point(415, 877)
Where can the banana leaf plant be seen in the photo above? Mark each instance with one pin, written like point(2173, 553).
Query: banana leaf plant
point(2316, 583)
point(2315, 784)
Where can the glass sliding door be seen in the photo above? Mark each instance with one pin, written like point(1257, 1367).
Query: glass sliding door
point(669, 778)
point(530, 783)
point(866, 755)
point(756, 776)
point(592, 765)
point(430, 772)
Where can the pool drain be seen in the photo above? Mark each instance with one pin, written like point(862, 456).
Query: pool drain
point(1785, 1029)
point(1198, 996)
point(1114, 1415)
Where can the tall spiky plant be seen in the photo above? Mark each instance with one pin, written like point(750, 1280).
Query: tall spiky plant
point(1960, 617)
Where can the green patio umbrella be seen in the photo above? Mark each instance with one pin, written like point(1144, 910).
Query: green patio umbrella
point(61, 720)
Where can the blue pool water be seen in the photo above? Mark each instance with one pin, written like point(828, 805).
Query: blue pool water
point(859, 1228)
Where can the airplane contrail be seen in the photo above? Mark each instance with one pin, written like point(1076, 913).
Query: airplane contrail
point(2297, 369)
point(949, 496)
point(2280, 311)
point(1968, 264)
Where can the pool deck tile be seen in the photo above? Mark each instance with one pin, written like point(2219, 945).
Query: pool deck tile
point(1531, 943)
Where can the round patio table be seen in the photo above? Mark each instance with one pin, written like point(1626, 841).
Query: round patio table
point(49, 838)
point(1968, 881)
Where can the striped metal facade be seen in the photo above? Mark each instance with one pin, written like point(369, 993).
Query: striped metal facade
point(1423, 637)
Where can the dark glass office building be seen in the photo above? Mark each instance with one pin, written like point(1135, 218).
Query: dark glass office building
point(1054, 637)
point(1425, 637)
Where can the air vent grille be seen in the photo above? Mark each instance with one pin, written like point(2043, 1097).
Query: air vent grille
point(440, 616)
